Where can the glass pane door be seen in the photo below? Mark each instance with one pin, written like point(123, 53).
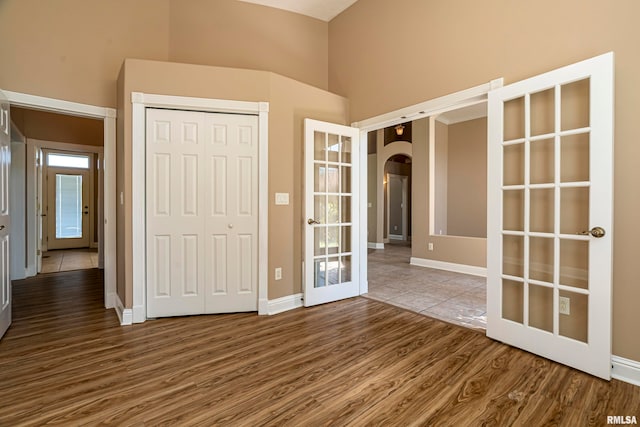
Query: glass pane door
point(68, 206)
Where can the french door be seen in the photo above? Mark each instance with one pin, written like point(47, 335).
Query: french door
point(5, 166)
point(549, 238)
point(331, 219)
point(68, 209)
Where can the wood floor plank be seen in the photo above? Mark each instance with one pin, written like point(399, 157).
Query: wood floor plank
point(66, 361)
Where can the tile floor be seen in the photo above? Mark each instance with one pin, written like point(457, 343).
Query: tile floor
point(69, 259)
point(452, 297)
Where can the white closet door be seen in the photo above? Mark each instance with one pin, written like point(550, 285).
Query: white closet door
point(202, 213)
point(231, 228)
point(175, 214)
point(5, 166)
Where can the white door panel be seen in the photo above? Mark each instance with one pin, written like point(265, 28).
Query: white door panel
point(331, 212)
point(550, 187)
point(5, 165)
point(201, 213)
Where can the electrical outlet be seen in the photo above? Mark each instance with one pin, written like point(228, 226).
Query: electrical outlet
point(565, 305)
point(278, 273)
point(430, 246)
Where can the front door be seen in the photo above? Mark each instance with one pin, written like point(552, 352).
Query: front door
point(68, 208)
point(331, 212)
point(5, 166)
point(549, 240)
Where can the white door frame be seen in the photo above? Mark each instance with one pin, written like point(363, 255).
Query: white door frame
point(142, 101)
point(108, 116)
point(418, 111)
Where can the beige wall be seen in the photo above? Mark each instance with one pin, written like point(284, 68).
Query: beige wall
point(290, 102)
point(467, 179)
point(73, 49)
point(58, 127)
point(231, 33)
point(474, 42)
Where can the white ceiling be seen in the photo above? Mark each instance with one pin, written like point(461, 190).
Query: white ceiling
point(325, 10)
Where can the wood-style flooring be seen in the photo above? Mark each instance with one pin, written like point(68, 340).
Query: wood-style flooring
point(66, 361)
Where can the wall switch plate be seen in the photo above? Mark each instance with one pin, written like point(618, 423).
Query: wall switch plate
point(565, 305)
point(430, 246)
point(282, 198)
point(278, 273)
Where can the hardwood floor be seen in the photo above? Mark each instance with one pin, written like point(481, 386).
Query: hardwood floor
point(66, 361)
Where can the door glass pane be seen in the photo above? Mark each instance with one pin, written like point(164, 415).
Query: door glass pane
point(513, 164)
point(574, 155)
point(320, 244)
point(333, 210)
point(574, 263)
point(333, 271)
point(319, 273)
point(346, 209)
point(575, 324)
point(513, 214)
point(346, 149)
point(542, 105)
point(514, 119)
point(319, 209)
point(345, 269)
point(346, 179)
point(333, 149)
point(68, 161)
point(333, 179)
point(575, 104)
point(333, 240)
point(541, 307)
point(320, 145)
point(68, 206)
point(512, 301)
point(542, 210)
point(574, 208)
point(513, 256)
point(541, 259)
point(346, 239)
point(320, 178)
point(542, 161)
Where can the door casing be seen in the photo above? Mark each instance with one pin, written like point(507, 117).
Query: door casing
point(142, 101)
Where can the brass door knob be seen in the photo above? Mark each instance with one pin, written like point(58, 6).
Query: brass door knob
point(596, 232)
point(312, 221)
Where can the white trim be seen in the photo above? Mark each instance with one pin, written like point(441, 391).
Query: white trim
point(449, 266)
point(108, 116)
point(280, 305)
point(142, 101)
point(396, 237)
point(64, 146)
point(429, 108)
point(625, 370)
point(110, 300)
point(375, 245)
point(124, 314)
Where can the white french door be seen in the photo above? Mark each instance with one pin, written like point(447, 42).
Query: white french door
point(331, 212)
point(68, 208)
point(5, 166)
point(549, 240)
point(202, 212)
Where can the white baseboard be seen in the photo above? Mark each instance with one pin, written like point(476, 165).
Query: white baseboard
point(449, 266)
point(396, 237)
point(374, 245)
point(283, 304)
point(124, 314)
point(625, 370)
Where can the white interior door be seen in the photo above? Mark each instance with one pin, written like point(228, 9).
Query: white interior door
point(549, 238)
point(5, 166)
point(202, 221)
point(331, 212)
point(68, 208)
